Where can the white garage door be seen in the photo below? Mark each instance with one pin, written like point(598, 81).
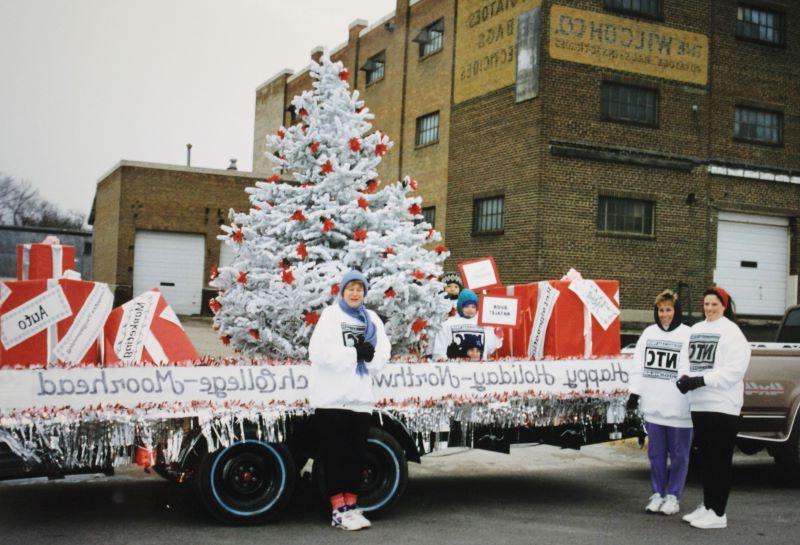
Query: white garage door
point(753, 261)
point(173, 263)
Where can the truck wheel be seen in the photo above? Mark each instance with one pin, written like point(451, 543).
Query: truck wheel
point(787, 459)
point(384, 477)
point(248, 482)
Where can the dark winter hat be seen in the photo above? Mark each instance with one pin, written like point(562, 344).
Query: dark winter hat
point(354, 276)
point(677, 319)
point(472, 341)
point(452, 278)
point(466, 297)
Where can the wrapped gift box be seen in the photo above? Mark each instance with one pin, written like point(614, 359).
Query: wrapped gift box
point(515, 342)
point(146, 329)
point(572, 329)
point(43, 261)
point(569, 334)
point(49, 321)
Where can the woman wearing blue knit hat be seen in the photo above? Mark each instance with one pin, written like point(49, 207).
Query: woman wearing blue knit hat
point(450, 341)
point(349, 344)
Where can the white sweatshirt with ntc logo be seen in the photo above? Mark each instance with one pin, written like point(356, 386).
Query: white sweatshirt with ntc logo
point(720, 353)
point(657, 360)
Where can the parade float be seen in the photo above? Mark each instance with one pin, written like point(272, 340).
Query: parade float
point(84, 387)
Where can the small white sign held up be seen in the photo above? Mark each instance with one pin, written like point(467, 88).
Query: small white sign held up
point(498, 310)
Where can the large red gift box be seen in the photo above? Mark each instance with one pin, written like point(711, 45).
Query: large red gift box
point(43, 261)
point(49, 321)
point(515, 341)
point(567, 334)
point(146, 329)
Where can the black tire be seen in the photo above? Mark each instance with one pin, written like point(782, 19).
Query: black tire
point(787, 458)
point(248, 482)
point(384, 478)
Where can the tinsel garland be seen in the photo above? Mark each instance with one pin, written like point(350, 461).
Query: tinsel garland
point(105, 435)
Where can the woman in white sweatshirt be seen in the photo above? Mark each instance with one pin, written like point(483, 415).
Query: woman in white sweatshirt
point(348, 346)
point(658, 356)
point(718, 358)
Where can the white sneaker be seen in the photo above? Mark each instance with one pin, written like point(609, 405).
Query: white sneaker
point(710, 520)
point(341, 518)
point(696, 514)
point(655, 503)
point(670, 505)
point(359, 517)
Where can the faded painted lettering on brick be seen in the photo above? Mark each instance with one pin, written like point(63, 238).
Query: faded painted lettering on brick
point(628, 45)
point(486, 45)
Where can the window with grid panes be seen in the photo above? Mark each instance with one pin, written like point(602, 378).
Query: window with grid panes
point(620, 215)
point(429, 215)
point(649, 8)
point(431, 38)
point(428, 129)
point(759, 24)
point(487, 216)
point(375, 67)
point(629, 103)
point(758, 125)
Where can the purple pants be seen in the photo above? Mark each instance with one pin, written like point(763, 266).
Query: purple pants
point(673, 443)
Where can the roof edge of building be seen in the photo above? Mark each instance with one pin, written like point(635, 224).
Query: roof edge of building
point(284, 72)
point(377, 23)
point(179, 168)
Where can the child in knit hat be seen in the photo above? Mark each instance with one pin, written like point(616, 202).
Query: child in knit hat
point(450, 341)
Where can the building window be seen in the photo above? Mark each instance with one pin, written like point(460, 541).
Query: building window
point(429, 215)
point(87, 248)
point(431, 38)
point(758, 125)
point(293, 117)
point(374, 67)
point(647, 8)
point(487, 215)
point(759, 25)
point(427, 129)
point(625, 215)
point(629, 103)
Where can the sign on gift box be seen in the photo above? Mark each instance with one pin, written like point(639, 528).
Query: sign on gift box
point(515, 343)
point(42, 261)
point(49, 321)
point(146, 329)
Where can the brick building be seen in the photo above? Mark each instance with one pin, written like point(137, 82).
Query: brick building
point(652, 141)
point(156, 226)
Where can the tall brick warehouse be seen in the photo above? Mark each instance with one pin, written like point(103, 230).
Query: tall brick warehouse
point(652, 141)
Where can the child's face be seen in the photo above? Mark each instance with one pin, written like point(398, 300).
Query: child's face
point(474, 354)
point(666, 312)
point(469, 311)
point(452, 289)
point(353, 294)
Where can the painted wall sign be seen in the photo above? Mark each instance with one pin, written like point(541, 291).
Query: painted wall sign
point(486, 43)
point(589, 37)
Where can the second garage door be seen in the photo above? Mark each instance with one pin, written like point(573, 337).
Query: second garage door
point(753, 261)
point(173, 263)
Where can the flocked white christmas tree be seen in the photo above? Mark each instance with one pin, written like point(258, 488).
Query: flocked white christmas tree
point(298, 239)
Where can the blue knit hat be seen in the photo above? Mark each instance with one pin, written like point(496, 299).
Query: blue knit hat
point(354, 275)
point(466, 297)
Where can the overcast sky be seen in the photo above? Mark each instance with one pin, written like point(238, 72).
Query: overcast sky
point(86, 83)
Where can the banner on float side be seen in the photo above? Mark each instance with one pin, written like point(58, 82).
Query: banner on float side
point(85, 387)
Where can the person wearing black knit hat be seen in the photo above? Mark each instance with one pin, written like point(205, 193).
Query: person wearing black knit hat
point(719, 355)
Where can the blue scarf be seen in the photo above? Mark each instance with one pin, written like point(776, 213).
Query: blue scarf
point(360, 314)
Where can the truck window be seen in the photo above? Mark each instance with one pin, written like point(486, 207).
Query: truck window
point(790, 330)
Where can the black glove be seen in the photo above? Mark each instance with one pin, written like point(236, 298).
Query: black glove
point(365, 351)
point(453, 351)
point(687, 383)
point(633, 402)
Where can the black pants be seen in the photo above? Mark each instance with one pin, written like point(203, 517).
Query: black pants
point(342, 444)
point(715, 437)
